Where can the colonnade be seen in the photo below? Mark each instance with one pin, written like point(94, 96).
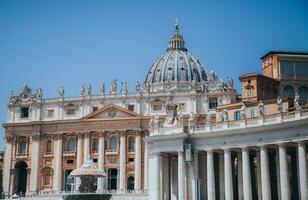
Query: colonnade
point(249, 174)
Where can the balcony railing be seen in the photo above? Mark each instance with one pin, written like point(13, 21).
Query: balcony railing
point(69, 153)
point(111, 151)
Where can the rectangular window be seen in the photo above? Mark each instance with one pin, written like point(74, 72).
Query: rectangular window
point(50, 112)
point(213, 103)
point(249, 92)
point(301, 69)
point(130, 159)
point(252, 113)
point(131, 107)
point(70, 111)
point(157, 107)
point(237, 115)
point(24, 112)
point(286, 68)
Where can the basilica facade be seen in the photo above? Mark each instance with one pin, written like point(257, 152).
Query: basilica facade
point(183, 134)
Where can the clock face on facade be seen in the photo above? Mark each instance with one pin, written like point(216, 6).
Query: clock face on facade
point(112, 112)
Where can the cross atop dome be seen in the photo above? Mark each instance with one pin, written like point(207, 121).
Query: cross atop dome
point(176, 41)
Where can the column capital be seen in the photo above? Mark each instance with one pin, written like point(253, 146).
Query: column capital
point(245, 148)
point(9, 138)
point(87, 134)
point(79, 134)
point(58, 136)
point(301, 143)
point(102, 133)
point(36, 136)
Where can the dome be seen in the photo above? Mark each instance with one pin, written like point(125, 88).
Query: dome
point(176, 64)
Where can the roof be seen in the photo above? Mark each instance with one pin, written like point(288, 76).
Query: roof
point(285, 53)
point(255, 74)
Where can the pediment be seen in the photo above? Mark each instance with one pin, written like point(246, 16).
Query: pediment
point(111, 111)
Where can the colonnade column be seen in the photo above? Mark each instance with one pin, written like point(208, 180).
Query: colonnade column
point(34, 163)
point(101, 160)
point(146, 165)
point(284, 175)
point(228, 175)
point(210, 176)
point(265, 174)
point(154, 173)
point(246, 175)
point(137, 183)
point(181, 175)
point(86, 148)
point(302, 166)
point(122, 160)
point(58, 163)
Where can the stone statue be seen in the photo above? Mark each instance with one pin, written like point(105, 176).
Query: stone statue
point(156, 121)
point(124, 87)
point(191, 119)
point(114, 86)
point(12, 97)
point(243, 111)
point(230, 83)
point(89, 90)
point(102, 88)
point(280, 104)
point(138, 87)
point(225, 115)
point(296, 102)
point(82, 90)
point(261, 108)
point(194, 84)
point(39, 93)
point(151, 123)
point(212, 75)
point(61, 92)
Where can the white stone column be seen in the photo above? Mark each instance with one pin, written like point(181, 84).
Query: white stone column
point(181, 175)
point(302, 166)
point(7, 162)
point(240, 175)
point(221, 176)
point(228, 175)
point(265, 174)
point(247, 190)
point(34, 163)
point(146, 165)
point(165, 176)
point(195, 166)
point(137, 183)
point(284, 175)
point(258, 175)
point(57, 182)
point(79, 157)
point(154, 173)
point(122, 161)
point(101, 160)
point(210, 176)
point(86, 148)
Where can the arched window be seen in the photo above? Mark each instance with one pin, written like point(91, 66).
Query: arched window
point(303, 93)
point(131, 144)
point(95, 146)
point(288, 91)
point(113, 142)
point(130, 183)
point(48, 146)
point(71, 145)
point(22, 147)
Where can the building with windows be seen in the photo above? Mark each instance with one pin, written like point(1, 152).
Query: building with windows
point(183, 135)
point(45, 139)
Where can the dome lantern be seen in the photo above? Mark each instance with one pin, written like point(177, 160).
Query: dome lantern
point(176, 41)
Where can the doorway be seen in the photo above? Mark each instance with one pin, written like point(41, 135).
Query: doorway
point(112, 179)
point(21, 173)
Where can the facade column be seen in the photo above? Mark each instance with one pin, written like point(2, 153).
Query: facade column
point(195, 176)
point(154, 173)
point(57, 182)
point(101, 160)
point(258, 175)
point(284, 175)
point(7, 162)
point(122, 161)
point(246, 175)
point(210, 175)
point(86, 148)
point(228, 175)
point(34, 163)
point(265, 174)
point(146, 165)
point(165, 176)
point(79, 157)
point(137, 182)
point(181, 175)
point(302, 166)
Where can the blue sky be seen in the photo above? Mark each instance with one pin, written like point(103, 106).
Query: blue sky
point(55, 43)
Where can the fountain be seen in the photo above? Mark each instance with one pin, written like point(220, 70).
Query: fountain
point(87, 174)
